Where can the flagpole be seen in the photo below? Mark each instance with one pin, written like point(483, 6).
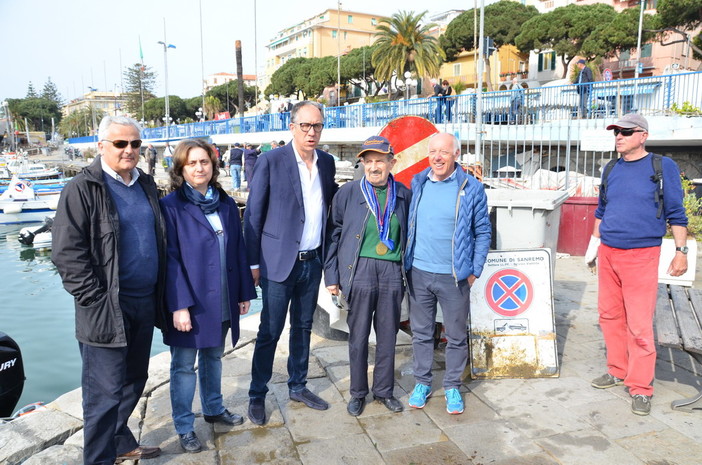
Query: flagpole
point(141, 81)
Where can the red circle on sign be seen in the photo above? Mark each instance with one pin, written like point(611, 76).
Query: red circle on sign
point(509, 292)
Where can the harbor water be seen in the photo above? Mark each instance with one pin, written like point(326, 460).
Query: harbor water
point(38, 314)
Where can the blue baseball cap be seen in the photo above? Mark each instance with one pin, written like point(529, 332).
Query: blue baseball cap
point(376, 144)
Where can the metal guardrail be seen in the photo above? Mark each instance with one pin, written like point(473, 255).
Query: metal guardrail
point(530, 137)
point(606, 99)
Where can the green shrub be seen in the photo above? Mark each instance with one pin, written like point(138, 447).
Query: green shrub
point(693, 208)
point(686, 109)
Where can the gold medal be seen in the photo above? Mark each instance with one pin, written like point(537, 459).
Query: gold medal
point(381, 249)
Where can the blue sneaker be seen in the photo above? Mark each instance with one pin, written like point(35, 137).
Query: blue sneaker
point(418, 399)
point(454, 401)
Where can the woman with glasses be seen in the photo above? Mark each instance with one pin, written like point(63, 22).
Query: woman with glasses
point(209, 285)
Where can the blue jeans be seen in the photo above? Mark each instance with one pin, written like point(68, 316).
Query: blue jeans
point(299, 291)
point(235, 172)
point(209, 373)
point(169, 163)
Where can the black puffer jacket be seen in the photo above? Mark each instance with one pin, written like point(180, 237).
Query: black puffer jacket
point(85, 250)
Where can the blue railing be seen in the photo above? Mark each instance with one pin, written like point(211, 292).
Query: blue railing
point(607, 99)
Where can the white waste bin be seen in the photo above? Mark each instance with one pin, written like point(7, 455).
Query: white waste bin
point(525, 219)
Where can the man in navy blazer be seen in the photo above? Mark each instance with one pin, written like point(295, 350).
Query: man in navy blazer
point(284, 227)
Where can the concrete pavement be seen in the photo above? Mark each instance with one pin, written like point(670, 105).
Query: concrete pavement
point(511, 421)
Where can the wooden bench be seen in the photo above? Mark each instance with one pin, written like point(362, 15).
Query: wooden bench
point(678, 318)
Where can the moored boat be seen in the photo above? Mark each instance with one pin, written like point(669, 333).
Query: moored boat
point(21, 204)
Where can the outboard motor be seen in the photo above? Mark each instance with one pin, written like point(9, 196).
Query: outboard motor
point(11, 375)
point(26, 235)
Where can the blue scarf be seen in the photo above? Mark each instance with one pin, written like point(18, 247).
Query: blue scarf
point(382, 218)
point(209, 203)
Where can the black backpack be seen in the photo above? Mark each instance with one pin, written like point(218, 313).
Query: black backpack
point(657, 162)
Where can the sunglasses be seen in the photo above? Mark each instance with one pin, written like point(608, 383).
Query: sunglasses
point(120, 144)
point(626, 132)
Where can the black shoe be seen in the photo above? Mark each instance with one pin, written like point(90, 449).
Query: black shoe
point(310, 399)
point(356, 406)
point(257, 411)
point(190, 442)
point(391, 403)
point(226, 418)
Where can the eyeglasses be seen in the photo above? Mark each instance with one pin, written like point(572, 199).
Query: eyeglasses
point(626, 132)
point(305, 127)
point(120, 144)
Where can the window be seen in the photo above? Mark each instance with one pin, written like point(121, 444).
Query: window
point(349, 19)
point(457, 69)
point(374, 21)
point(646, 50)
point(547, 60)
point(334, 34)
point(345, 35)
point(625, 55)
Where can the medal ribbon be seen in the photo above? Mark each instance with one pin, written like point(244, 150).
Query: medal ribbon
point(382, 218)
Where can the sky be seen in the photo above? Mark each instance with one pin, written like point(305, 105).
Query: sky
point(84, 43)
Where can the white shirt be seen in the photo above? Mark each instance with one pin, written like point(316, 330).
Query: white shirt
point(113, 174)
point(313, 203)
point(168, 152)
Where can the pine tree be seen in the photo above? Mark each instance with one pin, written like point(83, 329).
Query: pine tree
point(50, 92)
point(138, 78)
point(31, 93)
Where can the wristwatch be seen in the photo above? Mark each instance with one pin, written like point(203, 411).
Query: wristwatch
point(682, 249)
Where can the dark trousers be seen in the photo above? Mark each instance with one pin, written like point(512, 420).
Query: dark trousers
point(376, 298)
point(113, 379)
point(426, 289)
point(299, 291)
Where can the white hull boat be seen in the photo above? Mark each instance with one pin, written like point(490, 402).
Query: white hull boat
point(20, 204)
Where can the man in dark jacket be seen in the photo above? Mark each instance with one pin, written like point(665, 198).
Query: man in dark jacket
point(250, 157)
point(583, 86)
point(284, 228)
point(151, 156)
point(235, 162)
point(109, 248)
point(368, 235)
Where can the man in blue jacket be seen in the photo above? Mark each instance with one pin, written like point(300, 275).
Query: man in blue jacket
point(447, 244)
point(284, 225)
point(368, 234)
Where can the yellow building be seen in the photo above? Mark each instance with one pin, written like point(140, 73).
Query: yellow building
point(330, 33)
point(503, 65)
point(112, 103)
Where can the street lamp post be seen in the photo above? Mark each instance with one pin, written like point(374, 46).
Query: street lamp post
point(408, 83)
point(166, 46)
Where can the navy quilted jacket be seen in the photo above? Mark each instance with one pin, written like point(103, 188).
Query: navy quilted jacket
point(471, 236)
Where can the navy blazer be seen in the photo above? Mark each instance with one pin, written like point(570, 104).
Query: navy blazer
point(193, 270)
point(275, 214)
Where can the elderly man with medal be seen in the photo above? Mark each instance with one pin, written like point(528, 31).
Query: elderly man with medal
point(368, 233)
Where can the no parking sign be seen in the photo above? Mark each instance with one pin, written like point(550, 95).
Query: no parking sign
point(512, 327)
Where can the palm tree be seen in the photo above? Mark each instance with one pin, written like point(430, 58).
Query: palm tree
point(405, 45)
point(212, 106)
